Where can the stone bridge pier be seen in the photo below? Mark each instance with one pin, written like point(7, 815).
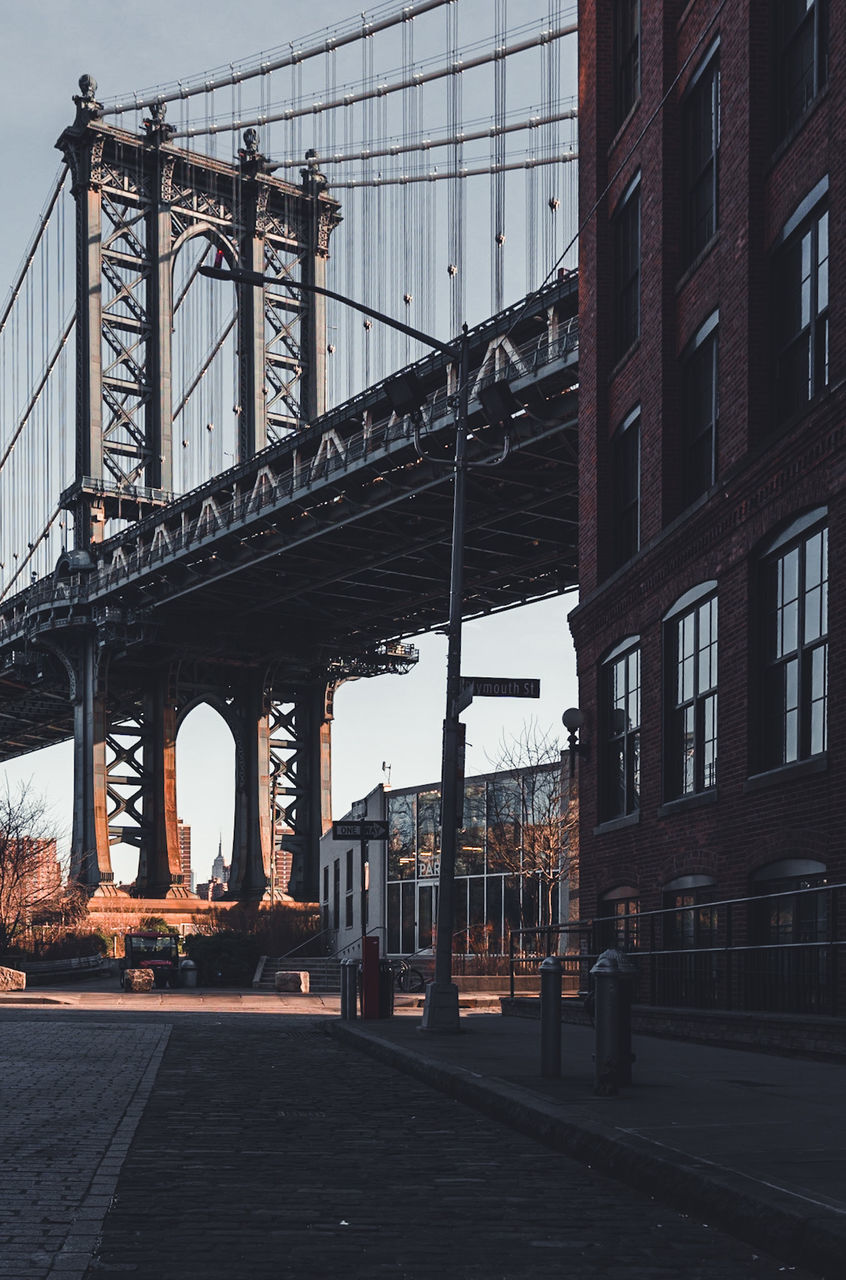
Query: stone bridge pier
point(125, 775)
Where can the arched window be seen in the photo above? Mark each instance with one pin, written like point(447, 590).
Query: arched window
point(617, 912)
point(689, 921)
point(788, 969)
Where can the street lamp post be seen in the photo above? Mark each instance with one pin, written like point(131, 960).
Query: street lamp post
point(440, 1011)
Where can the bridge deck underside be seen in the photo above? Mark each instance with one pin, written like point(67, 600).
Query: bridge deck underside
point(371, 562)
point(330, 561)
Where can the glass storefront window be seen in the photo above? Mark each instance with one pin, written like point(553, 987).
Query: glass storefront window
point(428, 834)
point(401, 850)
point(470, 855)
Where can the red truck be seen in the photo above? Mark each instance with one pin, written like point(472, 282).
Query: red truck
point(156, 951)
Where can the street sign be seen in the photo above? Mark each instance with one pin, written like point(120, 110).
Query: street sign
point(361, 829)
point(500, 687)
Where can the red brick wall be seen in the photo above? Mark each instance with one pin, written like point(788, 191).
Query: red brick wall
point(766, 476)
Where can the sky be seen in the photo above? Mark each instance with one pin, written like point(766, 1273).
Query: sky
point(395, 721)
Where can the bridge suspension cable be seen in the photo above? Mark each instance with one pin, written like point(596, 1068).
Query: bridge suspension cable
point(430, 144)
point(226, 77)
point(402, 180)
point(29, 256)
point(455, 68)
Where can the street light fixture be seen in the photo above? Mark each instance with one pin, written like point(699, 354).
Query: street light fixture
point(440, 1011)
point(573, 720)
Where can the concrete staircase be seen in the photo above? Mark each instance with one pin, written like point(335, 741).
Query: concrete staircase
point(324, 973)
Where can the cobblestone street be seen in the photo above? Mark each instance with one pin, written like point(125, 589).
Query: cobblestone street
point(267, 1149)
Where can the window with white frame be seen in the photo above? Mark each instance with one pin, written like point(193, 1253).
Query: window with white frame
point(800, 280)
point(794, 712)
point(690, 633)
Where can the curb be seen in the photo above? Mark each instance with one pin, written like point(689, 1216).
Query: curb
point(812, 1238)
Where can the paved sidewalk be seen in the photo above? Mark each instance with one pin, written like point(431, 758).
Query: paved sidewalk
point(755, 1142)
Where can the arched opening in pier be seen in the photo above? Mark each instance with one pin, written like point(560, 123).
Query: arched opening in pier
point(205, 788)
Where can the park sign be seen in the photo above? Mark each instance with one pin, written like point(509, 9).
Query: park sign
point(360, 829)
point(500, 687)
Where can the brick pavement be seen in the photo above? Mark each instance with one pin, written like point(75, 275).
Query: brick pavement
point(295, 1156)
point(70, 1098)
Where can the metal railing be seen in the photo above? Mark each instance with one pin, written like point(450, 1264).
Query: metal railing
point(773, 953)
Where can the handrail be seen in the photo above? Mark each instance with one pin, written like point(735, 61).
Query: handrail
point(742, 974)
point(312, 937)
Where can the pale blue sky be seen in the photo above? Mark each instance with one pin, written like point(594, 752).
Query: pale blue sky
point(46, 45)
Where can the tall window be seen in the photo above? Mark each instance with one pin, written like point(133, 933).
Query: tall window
point(802, 54)
point(801, 312)
point(700, 408)
point(691, 651)
point(795, 693)
point(701, 133)
point(348, 898)
point(625, 460)
point(626, 226)
point(620, 793)
point(626, 58)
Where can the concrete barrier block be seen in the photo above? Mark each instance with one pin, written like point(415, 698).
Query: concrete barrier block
point(292, 980)
point(12, 980)
point(138, 980)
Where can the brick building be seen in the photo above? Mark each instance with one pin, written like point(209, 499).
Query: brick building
point(183, 832)
point(712, 408)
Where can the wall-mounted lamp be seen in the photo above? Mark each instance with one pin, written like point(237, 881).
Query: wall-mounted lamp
point(573, 720)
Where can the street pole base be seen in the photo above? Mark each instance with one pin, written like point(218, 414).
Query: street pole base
point(440, 1008)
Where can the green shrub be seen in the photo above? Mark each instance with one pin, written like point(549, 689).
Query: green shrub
point(72, 945)
point(226, 958)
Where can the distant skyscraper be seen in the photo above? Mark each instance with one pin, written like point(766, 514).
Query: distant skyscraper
point(184, 834)
point(220, 869)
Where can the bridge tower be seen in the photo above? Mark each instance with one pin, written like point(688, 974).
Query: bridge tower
point(138, 200)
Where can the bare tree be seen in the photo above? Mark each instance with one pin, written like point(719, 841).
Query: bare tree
point(533, 816)
point(31, 880)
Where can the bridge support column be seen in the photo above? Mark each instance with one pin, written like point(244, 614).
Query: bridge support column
point(91, 864)
point(160, 864)
point(249, 875)
point(301, 742)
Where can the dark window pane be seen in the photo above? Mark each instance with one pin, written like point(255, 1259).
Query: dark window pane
point(625, 449)
point(394, 919)
point(408, 943)
point(701, 130)
point(626, 57)
point(802, 56)
point(424, 916)
point(800, 296)
point(621, 757)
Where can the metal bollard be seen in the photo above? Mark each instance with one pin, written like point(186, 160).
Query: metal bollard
point(612, 975)
point(349, 990)
point(550, 1010)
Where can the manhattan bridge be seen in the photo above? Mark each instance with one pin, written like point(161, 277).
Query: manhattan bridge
point(241, 495)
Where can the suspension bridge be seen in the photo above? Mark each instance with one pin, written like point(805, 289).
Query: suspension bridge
point(190, 513)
